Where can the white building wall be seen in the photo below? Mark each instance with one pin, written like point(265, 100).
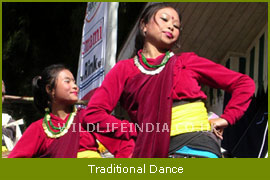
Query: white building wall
point(217, 103)
point(265, 70)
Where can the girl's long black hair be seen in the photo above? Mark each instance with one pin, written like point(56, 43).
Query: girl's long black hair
point(48, 77)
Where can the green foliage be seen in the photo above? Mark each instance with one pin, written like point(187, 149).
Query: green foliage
point(39, 34)
point(36, 35)
point(127, 20)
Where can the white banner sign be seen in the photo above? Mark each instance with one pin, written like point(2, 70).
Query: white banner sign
point(92, 55)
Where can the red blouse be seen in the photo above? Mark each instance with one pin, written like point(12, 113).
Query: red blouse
point(34, 141)
point(189, 72)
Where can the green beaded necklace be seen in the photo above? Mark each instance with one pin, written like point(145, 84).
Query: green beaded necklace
point(61, 130)
point(164, 61)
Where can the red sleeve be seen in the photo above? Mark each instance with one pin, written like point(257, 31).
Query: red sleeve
point(104, 100)
point(241, 86)
point(119, 148)
point(29, 144)
point(126, 148)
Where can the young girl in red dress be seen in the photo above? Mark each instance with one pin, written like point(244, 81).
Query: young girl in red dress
point(62, 133)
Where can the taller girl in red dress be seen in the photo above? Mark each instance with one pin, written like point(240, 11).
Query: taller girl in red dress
point(161, 92)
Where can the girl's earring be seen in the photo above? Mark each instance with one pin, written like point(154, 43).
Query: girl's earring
point(177, 45)
point(53, 95)
point(47, 110)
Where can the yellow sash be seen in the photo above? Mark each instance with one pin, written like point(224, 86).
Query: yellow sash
point(190, 117)
point(88, 154)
